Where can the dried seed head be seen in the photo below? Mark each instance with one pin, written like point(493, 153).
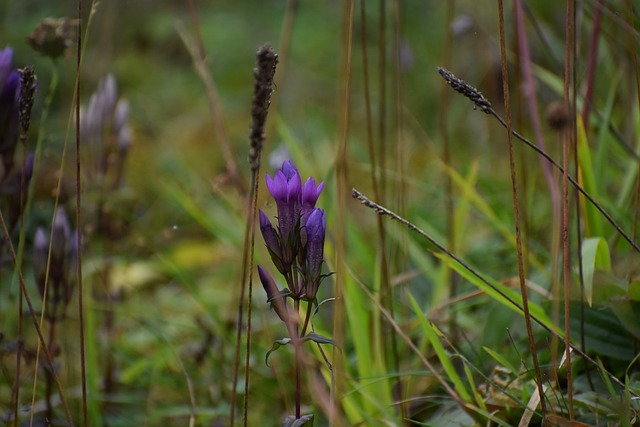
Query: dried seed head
point(266, 59)
point(558, 115)
point(54, 37)
point(28, 85)
point(467, 90)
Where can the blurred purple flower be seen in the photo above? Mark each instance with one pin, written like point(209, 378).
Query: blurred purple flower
point(9, 107)
point(104, 127)
point(63, 250)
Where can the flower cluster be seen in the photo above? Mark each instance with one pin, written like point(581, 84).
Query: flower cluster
point(107, 136)
point(9, 108)
point(62, 265)
point(104, 127)
point(296, 245)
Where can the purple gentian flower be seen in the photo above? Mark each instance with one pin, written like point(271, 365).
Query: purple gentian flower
point(314, 252)
point(272, 240)
point(310, 193)
point(285, 188)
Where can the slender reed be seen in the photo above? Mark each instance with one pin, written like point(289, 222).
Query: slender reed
point(516, 215)
point(266, 60)
point(341, 178)
point(636, 76)
point(28, 84)
point(591, 59)
point(83, 367)
point(566, 136)
point(443, 124)
point(195, 46)
point(529, 92)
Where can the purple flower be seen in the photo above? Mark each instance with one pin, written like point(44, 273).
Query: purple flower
point(285, 188)
point(272, 240)
point(314, 252)
point(9, 107)
point(105, 129)
point(296, 246)
point(40, 253)
point(274, 296)
point(310, 194)
point(60, 257)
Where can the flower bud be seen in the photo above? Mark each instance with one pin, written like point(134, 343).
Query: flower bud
point(277, 300)
point(40, 251)
point(314, 252)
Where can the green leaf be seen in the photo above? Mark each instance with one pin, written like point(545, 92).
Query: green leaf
point(276, 345)
point(432, 333)
point(501, 360)
point(312, 336)
point(593, 223)
point(634, 291)
point(595, 256)
point(497, 291)
point(291, 421)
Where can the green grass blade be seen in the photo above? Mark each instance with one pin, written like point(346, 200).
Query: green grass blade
point(492, 292)
point(501, 360)
point(432, 333)
point(594, 218)
point(595, 255)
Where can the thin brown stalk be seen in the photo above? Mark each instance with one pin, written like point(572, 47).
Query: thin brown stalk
point(266, 60)
point(284, 46)
point(514, 192)
point(384, 265)
point(195, 46)
point(565, 207)
point(28, 87)
point(592, 59)
point(576, 164)
point(387, 290)
point(83, 368)
point(369, 129)
point(443, 124)
point(382, 95)
point(636, 75)
point(348, 11)
point(529, 92)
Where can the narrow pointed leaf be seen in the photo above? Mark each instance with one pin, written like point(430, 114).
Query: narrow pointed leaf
point(312, 336)
point(276, 345)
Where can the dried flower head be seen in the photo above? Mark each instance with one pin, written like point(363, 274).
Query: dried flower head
point(54, 37)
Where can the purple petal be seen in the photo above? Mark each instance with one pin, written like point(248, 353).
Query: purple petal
point(315, 227)
point(310, 194)
point(289, 170)
point(6, 59)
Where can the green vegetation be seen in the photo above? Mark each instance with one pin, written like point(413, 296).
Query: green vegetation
point(419, 317)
